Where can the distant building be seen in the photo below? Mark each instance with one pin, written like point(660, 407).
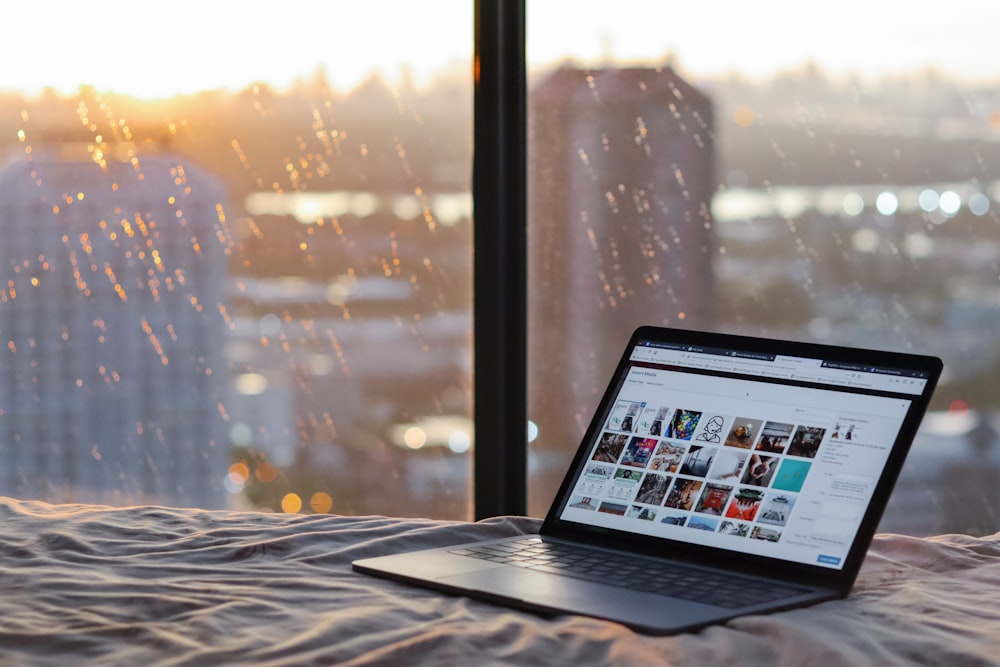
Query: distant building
point(111, 284)
point(622, 169)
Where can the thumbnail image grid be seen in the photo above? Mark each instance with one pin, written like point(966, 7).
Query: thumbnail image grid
point(734, 475)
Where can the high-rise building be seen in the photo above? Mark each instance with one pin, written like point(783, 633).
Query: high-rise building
point(621, 168)
point(112, 329)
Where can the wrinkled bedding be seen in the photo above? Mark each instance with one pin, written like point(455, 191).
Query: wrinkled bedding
point(153, 586)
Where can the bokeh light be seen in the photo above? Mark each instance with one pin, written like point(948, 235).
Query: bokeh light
point(321, 502)
point(291, 503)
point(865, 240)
point(251, 384)
point(853, 204)
point(887, 203)
point(950, 202)
point(266, 472)
point(459, 442)
point(240, 434)
point(744, 116)
point(415, 437)
point(979, 204)
point(918, 245)
point(928, 200)
point(532, 431)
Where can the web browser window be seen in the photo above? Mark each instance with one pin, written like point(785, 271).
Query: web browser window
point(765, 454)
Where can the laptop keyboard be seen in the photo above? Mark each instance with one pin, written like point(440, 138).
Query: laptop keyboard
point(673, 579)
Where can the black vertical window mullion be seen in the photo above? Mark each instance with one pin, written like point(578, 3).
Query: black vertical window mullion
point(500, 259)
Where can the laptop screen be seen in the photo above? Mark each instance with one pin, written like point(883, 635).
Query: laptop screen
point(754, 452)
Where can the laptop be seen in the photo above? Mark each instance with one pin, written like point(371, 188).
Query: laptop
point(720, 476)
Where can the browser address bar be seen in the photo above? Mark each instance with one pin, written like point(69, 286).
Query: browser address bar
point(769, 369)
point(786, 368)
point(735, 363)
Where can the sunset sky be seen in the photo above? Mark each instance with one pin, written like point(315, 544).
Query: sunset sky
point(156, 49)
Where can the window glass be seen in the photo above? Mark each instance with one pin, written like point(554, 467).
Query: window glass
point(831, 178)
point(236, 256)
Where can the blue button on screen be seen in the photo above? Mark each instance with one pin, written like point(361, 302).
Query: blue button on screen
point(829, 560)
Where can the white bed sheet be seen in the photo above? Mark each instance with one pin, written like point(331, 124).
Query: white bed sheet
point(153, 586)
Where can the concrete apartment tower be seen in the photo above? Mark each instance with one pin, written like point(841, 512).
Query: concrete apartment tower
point(111, 281)
point(621, 169)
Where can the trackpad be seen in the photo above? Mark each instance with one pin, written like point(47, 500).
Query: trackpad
point(557, 594)
point(523, 584)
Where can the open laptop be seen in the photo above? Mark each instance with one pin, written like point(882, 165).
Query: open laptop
point(720, 476)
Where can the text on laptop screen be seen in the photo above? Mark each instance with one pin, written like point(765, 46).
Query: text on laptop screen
point(765, 454)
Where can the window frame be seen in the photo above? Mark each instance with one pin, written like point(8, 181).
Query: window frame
point(499, 194)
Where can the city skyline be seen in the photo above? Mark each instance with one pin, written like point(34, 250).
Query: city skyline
point(784, 274)
point(198, 47)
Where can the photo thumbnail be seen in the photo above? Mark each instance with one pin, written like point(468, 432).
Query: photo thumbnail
point(728, 463)
point(714, 498)
point(624, 484)
point(652, 420)
point(776, 509)
point(767, 534)
point(610, 447)
point(849, 428)
point(703, 523)
point(594, 478)
point(745, 504)
point(653, 489)
point(683, 494)
point(624, 415)
point(612, 508)
point(774, 437)
point(667, 457)
point(683, 424)
point(639, 512)
point(698, 460)
point(760, 469)
point(583, 502)
point(623, 475)
point(638, 452)
point(743, 433)
point(792, 475)
point(734, 528)
point(806, 441)
point(598, 472)
point(711, 429)
point(673, 518)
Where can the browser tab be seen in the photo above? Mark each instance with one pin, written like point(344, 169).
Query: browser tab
point(803, 370)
